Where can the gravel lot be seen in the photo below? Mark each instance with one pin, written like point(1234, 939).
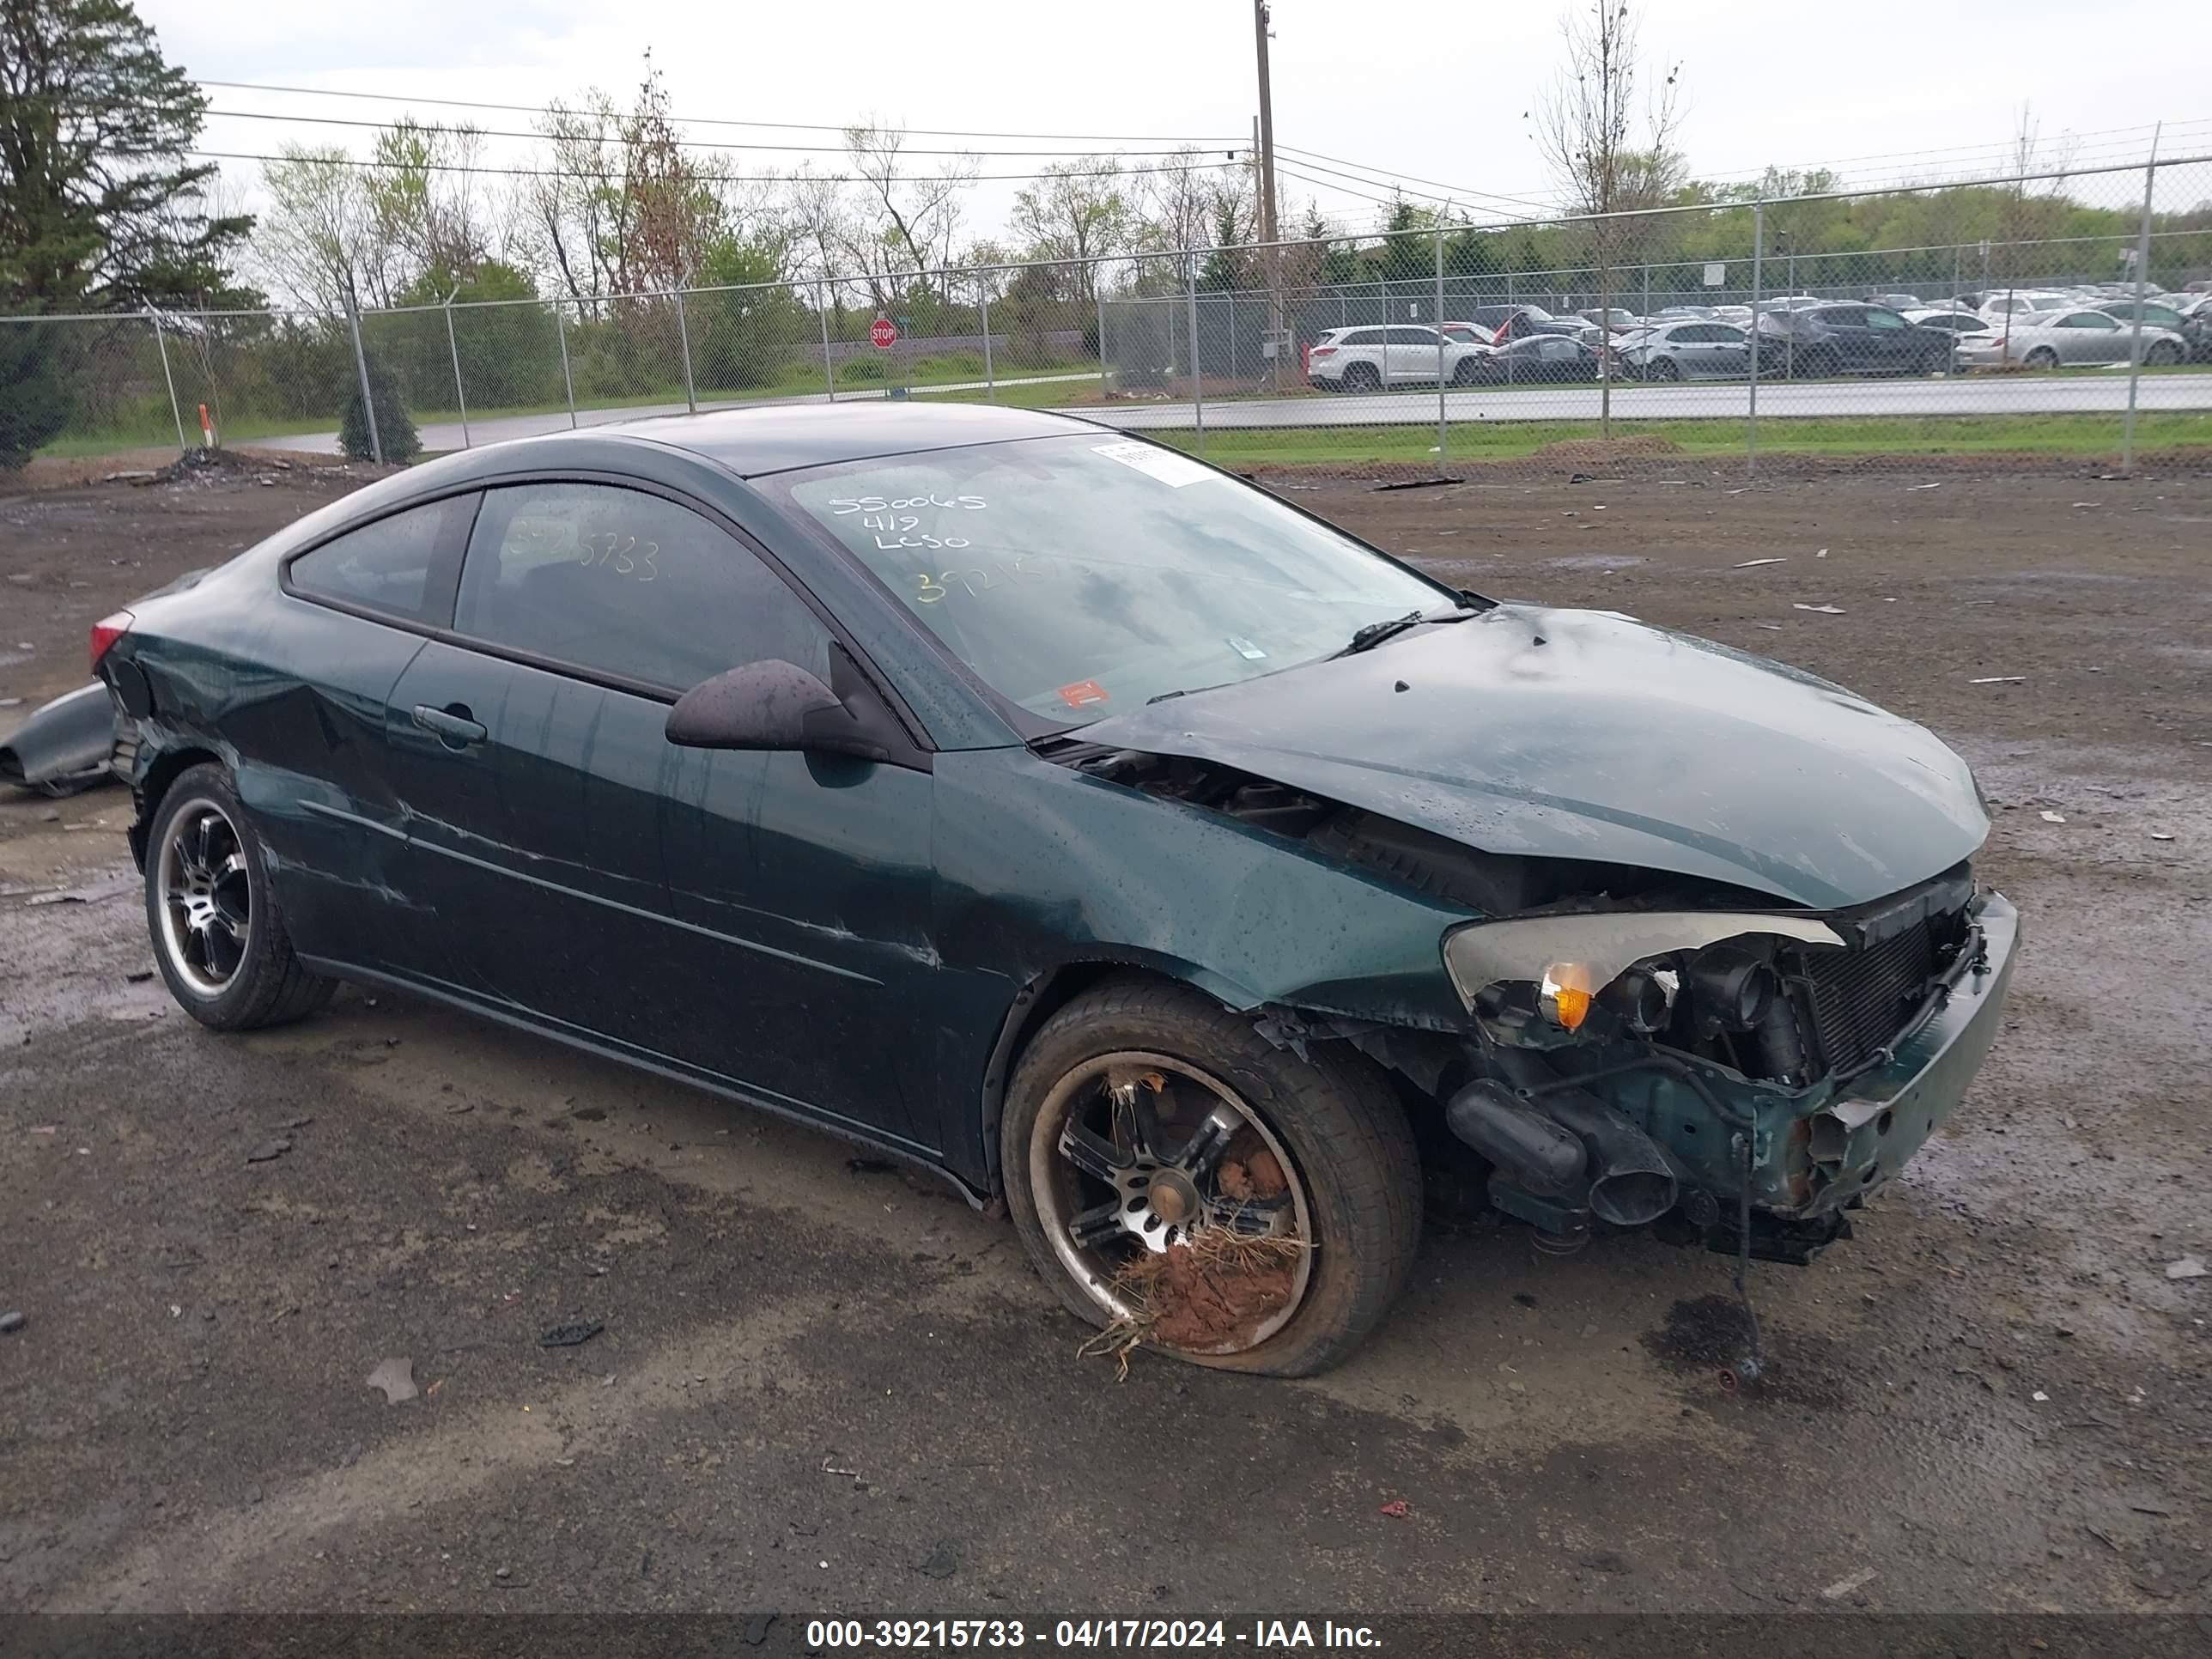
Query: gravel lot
point(824, 1389)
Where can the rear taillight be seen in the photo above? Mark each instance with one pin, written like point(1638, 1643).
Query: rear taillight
point(106, 632)
point(1324, 351)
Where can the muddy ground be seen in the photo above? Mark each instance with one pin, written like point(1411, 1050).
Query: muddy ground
point(823, 1387)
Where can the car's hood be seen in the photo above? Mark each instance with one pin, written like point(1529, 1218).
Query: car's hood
point(1587, 735)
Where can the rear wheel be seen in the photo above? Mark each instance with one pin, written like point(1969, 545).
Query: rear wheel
point(1464, 372)
point(218, 939)
point(1663, 368)
point(2163, 354)
point(1362, 377)
point(1187, 1186)
point(2041, 357)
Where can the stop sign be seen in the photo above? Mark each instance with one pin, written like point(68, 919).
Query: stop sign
point(883, 333)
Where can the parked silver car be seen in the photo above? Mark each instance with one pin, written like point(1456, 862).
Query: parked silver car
point(1686, 351)
point(2054, 339)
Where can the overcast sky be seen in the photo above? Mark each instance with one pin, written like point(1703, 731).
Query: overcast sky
point(1436, 89)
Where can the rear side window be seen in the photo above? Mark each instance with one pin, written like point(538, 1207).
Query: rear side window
point(388, 566)
point(621, 583)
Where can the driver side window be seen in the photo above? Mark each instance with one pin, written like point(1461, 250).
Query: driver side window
point(627, 584)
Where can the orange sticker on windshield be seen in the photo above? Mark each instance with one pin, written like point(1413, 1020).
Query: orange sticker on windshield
point(1082, 694)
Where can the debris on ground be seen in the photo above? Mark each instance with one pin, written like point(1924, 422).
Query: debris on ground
point(2160, 835)
point(269, 1150)
point(941, 1564)
point(1397, 1508)
point(92, 892)
point(396, 1377)
point(1843, 1587)
point(2052, 817)
point(1823, 610)
point(829, 1466)
point(1749, 563)
point(860, 1165)
point(570, 1336)
point(2000, 679)
point(12, 1322)
point(2187, 1267)
point(1208, 1294)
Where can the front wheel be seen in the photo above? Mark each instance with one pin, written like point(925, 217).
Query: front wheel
point(218, 939)
point(1187, 1186)
point(2163, 354)
point(1663, 368)
point(1361, 376)
point(2041, 357)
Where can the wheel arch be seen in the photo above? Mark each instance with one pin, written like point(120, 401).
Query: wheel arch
point(167, 766)
point(1044, 994)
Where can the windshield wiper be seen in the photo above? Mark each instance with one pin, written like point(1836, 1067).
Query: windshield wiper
point(1367, 638)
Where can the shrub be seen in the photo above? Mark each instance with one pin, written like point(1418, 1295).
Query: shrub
point(394, 429)
point(855, 370)
point(34, 403)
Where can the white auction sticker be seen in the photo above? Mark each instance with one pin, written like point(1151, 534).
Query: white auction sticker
point(1164, 464)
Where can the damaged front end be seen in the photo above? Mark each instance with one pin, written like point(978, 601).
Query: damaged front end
point(1723, 1072)
point(1637, 1048)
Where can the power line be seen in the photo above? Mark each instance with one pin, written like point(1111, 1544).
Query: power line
point(1388, 175)
point(617, 139)
point(708, 120)
point(321, 159)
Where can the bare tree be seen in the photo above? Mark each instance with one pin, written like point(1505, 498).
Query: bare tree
point(1078, 211)
point(570, 209)
point(1608, 157)
point(315, 241)
point(911, 221)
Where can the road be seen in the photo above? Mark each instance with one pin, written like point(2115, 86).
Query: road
point(2085, 392)
point(2064, 393)
point(823, 1388)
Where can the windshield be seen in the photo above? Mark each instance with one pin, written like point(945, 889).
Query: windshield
point(1082, 576)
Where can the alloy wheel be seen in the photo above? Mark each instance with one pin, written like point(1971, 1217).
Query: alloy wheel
point(204, 898)
point(1145, 1170)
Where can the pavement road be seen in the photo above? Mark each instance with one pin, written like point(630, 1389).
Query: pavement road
point(2088, 392)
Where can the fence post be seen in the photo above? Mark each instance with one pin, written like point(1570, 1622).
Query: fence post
point(162, 346)
point(1440, 346)
point(683, 340)
point(822, 311)
point(1197, 380)
point(1098, 301)
point(983, 295)
point(2135, 336)
point(460, 393)
point(1751, 424)
point(568, 378)
point(1647, 290)
point(360, 367)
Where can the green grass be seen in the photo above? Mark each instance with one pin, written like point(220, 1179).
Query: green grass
point(1893, 434)
point(158, 431)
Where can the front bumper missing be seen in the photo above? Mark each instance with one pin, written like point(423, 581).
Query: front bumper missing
point(1868, 1131)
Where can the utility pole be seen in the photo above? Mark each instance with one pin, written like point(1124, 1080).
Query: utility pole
point(1267, 227)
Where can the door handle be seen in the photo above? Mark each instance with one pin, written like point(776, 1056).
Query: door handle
point(454, 725)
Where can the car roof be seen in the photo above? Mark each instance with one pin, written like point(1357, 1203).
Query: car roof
point(754, 442)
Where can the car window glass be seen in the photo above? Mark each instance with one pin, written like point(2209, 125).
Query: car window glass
point(1413, 336)
point(1843, 317)
point(1363, 336)
point(1884, 319)
point(626, 584)
point(1080, 576)
point(385, 566)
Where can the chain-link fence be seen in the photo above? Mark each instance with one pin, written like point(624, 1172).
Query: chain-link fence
point(2059, 315)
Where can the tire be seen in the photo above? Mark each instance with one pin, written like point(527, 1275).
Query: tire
point(1352, 1171)
point(2163, 354)
point(1361, 376)
point(1464, 372)
point(1662, 368)
point(218, 938)
point(2041, 357)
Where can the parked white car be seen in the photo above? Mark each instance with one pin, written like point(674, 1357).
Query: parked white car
point(2061, 338)
point(2025, 301)
point(1394, 353)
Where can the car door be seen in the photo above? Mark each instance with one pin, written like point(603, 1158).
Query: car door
point(362, 602)
point(1893, 345)
point(1412, 353)
point(1729, 349)
point(1847, 338)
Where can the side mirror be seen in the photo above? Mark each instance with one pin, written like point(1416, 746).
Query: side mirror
point(772, 705)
